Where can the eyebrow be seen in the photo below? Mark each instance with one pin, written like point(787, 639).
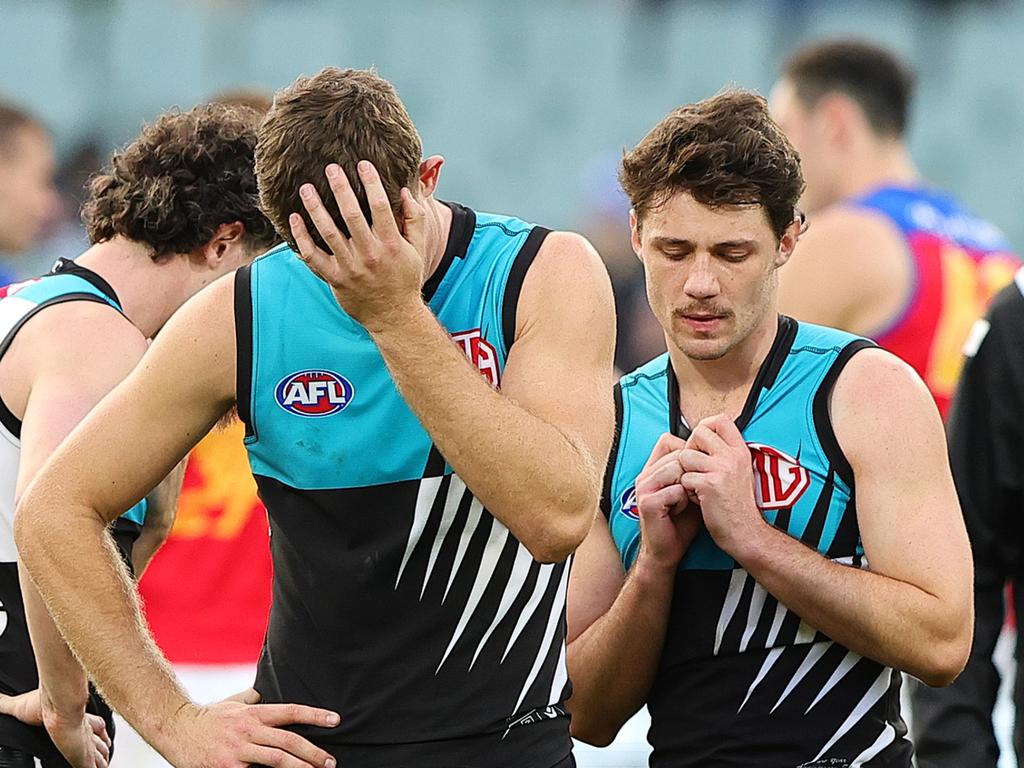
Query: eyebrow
point(677, 242)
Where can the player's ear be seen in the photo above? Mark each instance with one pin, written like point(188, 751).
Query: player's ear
point(787, 243)
point(430, 171)
point(221, 246)
point(634, 232)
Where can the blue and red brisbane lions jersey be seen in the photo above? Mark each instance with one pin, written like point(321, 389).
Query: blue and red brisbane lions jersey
point(398, 600)
point(742, 680)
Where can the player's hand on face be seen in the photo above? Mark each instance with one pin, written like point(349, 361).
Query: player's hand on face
point(668, 522)
point(83, 740)
point(376, 272)
point(231, 734)
point(717, 469)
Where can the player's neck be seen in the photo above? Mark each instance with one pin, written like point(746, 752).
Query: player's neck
point(149, 292)
point(877, 164)
point(709, 387)
point(439, 227)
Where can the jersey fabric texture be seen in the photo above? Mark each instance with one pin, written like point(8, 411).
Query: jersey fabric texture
point(398, 600)
point(959, 262)
point(18, 674)
point(742, 681)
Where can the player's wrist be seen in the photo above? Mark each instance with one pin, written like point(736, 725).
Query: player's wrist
point(397, 317)
point(654, 568)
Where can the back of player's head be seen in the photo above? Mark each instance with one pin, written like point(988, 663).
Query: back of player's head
point(185, 175)
point(336, 116)
point(14, 120)
point(725, 151)
point(875, 78)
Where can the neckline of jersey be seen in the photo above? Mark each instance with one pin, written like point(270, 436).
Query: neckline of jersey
point(459, 236)
point(69, 267)
point(765, 378)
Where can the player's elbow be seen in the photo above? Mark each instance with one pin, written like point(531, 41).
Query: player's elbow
point(589, 726)
point(563, 533)
point(29, 529)
point(945, 661)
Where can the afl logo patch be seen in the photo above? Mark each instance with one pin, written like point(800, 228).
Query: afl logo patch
point(314, 393)
point(627, 503)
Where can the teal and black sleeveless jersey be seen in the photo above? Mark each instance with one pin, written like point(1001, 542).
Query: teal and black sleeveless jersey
point(742, 681)
point(398, 601)
point(19, 303)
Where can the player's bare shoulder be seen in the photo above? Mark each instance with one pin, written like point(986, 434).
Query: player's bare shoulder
point(566, 274)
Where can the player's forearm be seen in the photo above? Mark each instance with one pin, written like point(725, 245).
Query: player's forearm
point(63, 688)
point(613, 662)
point(86, 587)
point(526, 472)
point(890, 621)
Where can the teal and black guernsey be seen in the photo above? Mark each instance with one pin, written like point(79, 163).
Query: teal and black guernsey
point(742, 681)
point(19, 303)
point(398, 601)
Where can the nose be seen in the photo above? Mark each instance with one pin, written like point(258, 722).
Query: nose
point(701, 281)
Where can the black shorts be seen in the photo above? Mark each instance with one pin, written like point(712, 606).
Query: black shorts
point(15, 758)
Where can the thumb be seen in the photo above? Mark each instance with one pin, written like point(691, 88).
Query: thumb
point(414, 218)
point(248, 696)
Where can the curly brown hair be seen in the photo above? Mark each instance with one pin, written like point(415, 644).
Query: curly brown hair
point(336, 116)
point(185, 175)
point(725, 151)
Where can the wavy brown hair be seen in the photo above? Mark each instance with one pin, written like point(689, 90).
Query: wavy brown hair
point(184, 176)
point(336, 116)
point(725, 151)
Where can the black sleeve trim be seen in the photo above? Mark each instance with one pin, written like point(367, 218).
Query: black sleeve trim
point(822, 417)
point(514, 286)
point(243, 347)
point(613, 457)
point(11, 422)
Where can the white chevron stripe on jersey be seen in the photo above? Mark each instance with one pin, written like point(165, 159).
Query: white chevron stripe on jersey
point(805, 634)
point(488, 562)
point(813, 656)
point(476, 511)
point(732, 600)
point(754, 614)
point(780, 615)
point(543, 577)
point(885, 738)
point(561, 678)
point(769, 662)
point(874, 693)
point(516, 579)
point(849, 662)
point(554, 619)
point(424, 502)
point(456, 492)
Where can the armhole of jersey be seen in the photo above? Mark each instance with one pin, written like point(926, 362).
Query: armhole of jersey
point(609, 472)
point(243, 347)
point(11, 422)
point(822, 416)
point(514, 284)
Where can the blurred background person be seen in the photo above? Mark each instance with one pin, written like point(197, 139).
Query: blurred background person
point(28, 197)
point(887, 255)
point(206, 593)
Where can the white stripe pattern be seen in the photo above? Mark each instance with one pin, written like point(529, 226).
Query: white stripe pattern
point(561, 677)
point(849, 662)
point(732, 600)
point(476, 511)
point(456, 492)
point(488, 562)
point(514, 585)
point(885, 738)
point(543, 577)
point(554, 619)
point(424, 502)
point(813, 656)
point(874, 693)
point(769, 662)
point(753, 615)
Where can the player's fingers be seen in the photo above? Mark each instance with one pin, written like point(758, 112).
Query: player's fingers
point(665, 445)
point(348, 204)
point(668, 498)
point(696, 482)
point(324, 222)
point(414, 219)
point(692, 460)
point(274, 758)
point(248, 696)
point(294, 745)
point(726, 429)
point(99, 727)
point(705, 439)
point(324, 265)
point(380, 206)
point(296, 714)
point(654, 479)
point(101, 747)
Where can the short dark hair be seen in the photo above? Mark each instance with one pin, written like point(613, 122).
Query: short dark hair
point(12, 120)
point(336, 116)
point(874, 77)
point(725, 151)
point(185, 175)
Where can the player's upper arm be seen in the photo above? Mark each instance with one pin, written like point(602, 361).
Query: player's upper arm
point(69, 372)
point(595, 580)
point(560, 365)
point(849, 270)
point(910, 522)
point(136, 435)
